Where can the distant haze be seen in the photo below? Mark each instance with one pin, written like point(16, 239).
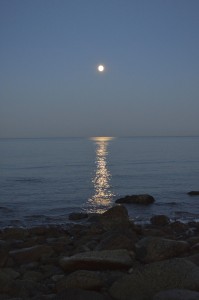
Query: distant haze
point(50, 50)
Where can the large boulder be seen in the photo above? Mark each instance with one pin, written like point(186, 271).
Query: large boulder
point(115, 217)
point(136, 199)
point(98, 260)
point(177, 294)
point(146, 282)
point(152, 249)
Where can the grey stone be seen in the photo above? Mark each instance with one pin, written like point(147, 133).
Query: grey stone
point(98, 260)
point(145, 282)
point(177, 294)
point(152, 249)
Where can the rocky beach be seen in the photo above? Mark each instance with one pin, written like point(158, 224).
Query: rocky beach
point(103, 257)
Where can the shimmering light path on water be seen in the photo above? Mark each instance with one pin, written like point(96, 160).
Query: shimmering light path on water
point(102, 190)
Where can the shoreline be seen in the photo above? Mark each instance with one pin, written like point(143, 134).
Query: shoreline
point(99, 258)
point(67, 221)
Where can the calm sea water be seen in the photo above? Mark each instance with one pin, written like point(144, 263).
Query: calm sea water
point(43, 180)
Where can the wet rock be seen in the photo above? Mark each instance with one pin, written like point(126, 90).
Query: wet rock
point(160, 220)
point(31, 254)
point(80, 294)
point(98, 260)
point(152, 249)
point(87, 280)
point(193, 193)
point(115, 217)
point(148, 281)
point(137, 199)
point(177, 294)
point(77, 216)
point(179, 227)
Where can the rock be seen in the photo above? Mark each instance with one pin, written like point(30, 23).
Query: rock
point(179, 227)
point(160, 220)
point(152, 249)
point(3, 257)
point(12, 274)
point(193, 193)
point(31, 254)
point(79, 294)
point(77, 216)
point(18, 288)
point(177, 294)
point(59, 244)
point(6, 282)
point(145, 282)
point(86, 280)
point(115, 217)
point(194, 259)
point(195, 248)
point(193, 240)
point(25, 288)
point(98, 260)
point(116, 241)
point(33, 275)
point(137, 199)
point(14, 233)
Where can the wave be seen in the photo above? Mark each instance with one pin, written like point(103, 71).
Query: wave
point(28, 180)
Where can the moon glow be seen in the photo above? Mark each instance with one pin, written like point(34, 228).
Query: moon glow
point(100, 68)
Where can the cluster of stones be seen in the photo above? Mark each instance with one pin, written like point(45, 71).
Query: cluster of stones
point(107, 257)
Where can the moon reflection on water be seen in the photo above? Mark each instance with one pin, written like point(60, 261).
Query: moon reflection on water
point(102, 190)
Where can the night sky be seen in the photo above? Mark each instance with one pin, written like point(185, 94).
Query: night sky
point(50, 50)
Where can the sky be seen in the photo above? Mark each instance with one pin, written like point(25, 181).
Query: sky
point(49, 83)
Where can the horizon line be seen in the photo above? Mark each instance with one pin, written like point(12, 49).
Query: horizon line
point(92, 136)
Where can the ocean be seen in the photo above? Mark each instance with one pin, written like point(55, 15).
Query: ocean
point(43, 180)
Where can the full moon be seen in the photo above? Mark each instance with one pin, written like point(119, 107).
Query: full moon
point(100, 68)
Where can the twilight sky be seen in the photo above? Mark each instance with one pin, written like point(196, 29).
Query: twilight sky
point(49, 52)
